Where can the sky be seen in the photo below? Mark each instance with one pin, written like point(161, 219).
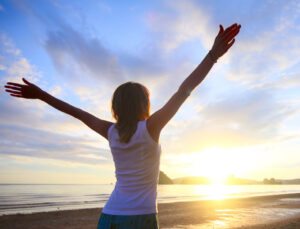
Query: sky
point(243, 119)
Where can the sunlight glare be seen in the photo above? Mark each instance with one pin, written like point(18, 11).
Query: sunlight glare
point(218, 163)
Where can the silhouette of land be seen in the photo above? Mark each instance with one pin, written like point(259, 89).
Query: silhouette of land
point(231, 180)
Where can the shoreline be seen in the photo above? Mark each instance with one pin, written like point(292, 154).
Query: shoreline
point(277, 210)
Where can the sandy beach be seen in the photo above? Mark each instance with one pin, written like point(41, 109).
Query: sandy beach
point(279, 211)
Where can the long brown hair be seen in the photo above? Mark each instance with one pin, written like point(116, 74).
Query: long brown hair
point(130, 104)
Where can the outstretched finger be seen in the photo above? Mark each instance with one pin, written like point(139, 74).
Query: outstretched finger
point(11, 91)
point(231, 35)
point(11, 87)
point(230, 28)
point(221, 30)
point(15, 84)
point(25, 81)
point(16, 95)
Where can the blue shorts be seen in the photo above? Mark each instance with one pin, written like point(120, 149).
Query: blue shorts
point(149, 221)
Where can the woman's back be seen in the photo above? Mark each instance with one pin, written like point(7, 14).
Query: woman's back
point(137, 169)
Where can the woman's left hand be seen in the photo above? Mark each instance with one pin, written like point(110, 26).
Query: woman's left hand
point(224, 40)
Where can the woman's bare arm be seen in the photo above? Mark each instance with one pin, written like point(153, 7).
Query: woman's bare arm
point(160, 118)
point(31, 91)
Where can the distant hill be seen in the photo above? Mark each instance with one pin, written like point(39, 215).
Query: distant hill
point(164, 179)
point(281, 181)
point(292, 181)
point(232, 180)
point(192, 180)
point(271, 181)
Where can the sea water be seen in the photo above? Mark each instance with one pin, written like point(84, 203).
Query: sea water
point(30, 198)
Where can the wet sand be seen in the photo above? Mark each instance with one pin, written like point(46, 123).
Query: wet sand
point(276, 212)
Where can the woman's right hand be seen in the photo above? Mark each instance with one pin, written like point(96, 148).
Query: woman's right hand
point(224, 40)
point(27, 91)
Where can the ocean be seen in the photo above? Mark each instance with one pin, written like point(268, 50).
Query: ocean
point(31, 198)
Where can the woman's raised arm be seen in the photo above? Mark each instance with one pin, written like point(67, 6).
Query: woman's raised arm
point(31, 91)
point(223, 41)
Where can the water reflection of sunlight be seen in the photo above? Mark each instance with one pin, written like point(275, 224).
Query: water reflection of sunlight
point(215, 191)
point(219, 223)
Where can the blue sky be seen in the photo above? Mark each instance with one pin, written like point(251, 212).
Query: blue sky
point(243, 119)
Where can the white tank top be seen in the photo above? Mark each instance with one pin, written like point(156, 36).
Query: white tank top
point(136, 168)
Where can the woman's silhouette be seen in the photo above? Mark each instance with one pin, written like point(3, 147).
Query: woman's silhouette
point(134, 138)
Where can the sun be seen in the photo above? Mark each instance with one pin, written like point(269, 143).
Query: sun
point(216, 164)
point(218, 177)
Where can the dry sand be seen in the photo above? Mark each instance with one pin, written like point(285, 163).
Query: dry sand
point(229, 213)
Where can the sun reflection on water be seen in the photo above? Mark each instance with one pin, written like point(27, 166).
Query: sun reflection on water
point(216, 191)
point(219, 223)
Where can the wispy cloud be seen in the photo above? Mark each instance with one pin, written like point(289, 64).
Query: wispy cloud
point(181, 22)
point(71, 52)
point(7, 46)
point(265, 54)
point(241, 119)
point(15, 140)
point(13, 65)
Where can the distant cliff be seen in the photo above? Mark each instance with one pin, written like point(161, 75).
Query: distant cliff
point(164, 179)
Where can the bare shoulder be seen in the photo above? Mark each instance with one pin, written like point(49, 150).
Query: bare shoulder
point(107, 126)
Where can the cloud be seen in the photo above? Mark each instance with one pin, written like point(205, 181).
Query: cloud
point(288, 80)
point(181, 22)
point(31, 142)
point(22, 68)
point(20, 112)
point(76, 55)
point(264, 54)
point(240, 119)
point(14, 110)
point(81, 59)
point(32, 131)
point(7, 46)
point(256, 109)
point(67, 46)
point(13, 65)
point(55, 91)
